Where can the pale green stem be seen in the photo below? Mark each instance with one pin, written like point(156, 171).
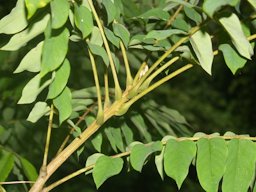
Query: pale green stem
point(129, 79)
point(118, 91)
point(100, 115)
point(107, 102)
point(47, 143)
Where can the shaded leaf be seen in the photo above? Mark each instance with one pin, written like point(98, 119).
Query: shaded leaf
point(155, 13)
point(211, 162)
point(29, 169)
point(240, 165)
point(163, 34)
point(60, 12)
point(128, 134)
point(252, 2)
point(202, 45)
point(96, 38)
point(100, 51)
point(111, 10)
point(53, 55)
point(6, 164)
point(15, 21)
point(60, 80)
point(39, 110)
point(97, 142)
point(30, 91)
point(83, 20)
point(63, 104)
point(140, 153)
point(105, 168)
point(193, 15)
point(159, 161)
point(121, 31)
point(178, 156)
point(32, 60)
point(21, 39)
point(233, 60)
point(234, 29)
point(111, 37)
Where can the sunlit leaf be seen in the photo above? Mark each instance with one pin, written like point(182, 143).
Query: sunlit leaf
point(159, 161)
point(178, 156)
point(15, 21)
point(211, 162)
point(193, 15)
point(83, 20)
point(240, 165)
point(60, 12)
point(63, 104)
point(60, 80)
point(21, 39)
point(233, 60)
point(32, 60)
point(202, 45)
point(252, 2)
point(234, 29)
point(33, 5)
point(96, 38)
point(39, 110)
point(210, 7)
point(140, 153)
point(29, 169)
point(6, 164)
point(54, 52)
point(105, 168)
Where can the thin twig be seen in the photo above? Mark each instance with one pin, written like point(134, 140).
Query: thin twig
point(15, 182)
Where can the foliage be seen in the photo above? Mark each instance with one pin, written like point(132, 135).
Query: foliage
point(90, 61)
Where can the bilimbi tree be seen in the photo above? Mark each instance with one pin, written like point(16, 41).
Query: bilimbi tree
point(126, 46)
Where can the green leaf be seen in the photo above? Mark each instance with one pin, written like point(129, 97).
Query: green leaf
point(30, 91)
point(193, 15)
point(54, 52)
point(202, 45)
point(138, 121)
point(233, 60)
point(240, 165)
point(39, 110)
point(96, 38)
point(128, 134)
point(121, 31)
point(252, 2)
point(63, 104)
point(116, 132)
point(140, 153)
point(6, 164)
point(159, 161)
point(60, 12)
point(111, 37)
point(210, 7)
point(155, 13)
point(211, 162)
point(105, 168)
point(163, 34)
point(60, 80)
point(33, 55)
point(97, 142)
point(178, 156)
point(234, 28)
point(100, 51)
point(29, 169)
point(83, 20)
point(15, 21)
point(111, 139)
point(111, 10)
point(21, 39)
point(33, 5)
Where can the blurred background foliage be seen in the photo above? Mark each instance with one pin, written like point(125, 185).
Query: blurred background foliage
point(218, 103)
